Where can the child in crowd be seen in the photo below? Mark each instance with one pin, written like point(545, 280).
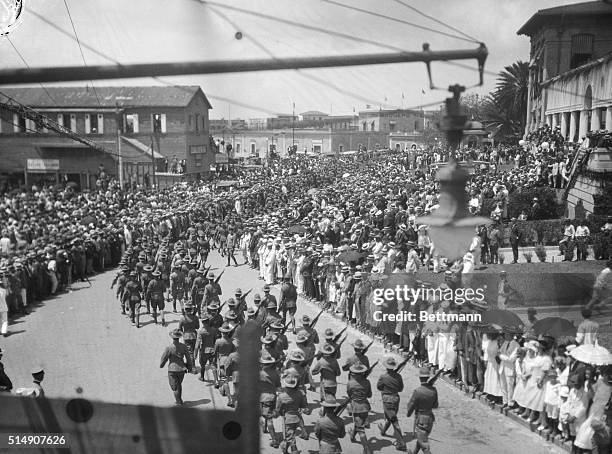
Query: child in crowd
point(564, 413)
point(550, 416)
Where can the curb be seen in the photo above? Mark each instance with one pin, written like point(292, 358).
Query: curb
point(567, 446)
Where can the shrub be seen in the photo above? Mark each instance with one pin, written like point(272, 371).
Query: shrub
point(540, 251)
point(528, 255)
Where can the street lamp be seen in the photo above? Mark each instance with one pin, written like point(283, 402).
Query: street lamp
point(452, 226)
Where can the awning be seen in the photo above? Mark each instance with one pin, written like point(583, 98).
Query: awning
point(145, 149)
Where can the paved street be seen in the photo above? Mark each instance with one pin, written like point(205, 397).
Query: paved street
point(83, 341)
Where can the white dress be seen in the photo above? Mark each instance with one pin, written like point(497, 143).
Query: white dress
point(534, 396)
point(603, 390)
point(521, 369)
point(492, 384)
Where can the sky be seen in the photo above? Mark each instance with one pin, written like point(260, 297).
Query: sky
point(148, 31)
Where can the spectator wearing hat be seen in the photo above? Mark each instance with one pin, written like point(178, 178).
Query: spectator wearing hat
point(566, 245)
point(492, 381)
point(223, 347)
point(423, 401)
point(359, 391)
point(188, 325)
point(290, 403)
point(537, 367)
point(327, 366)
point(205, 345)
point(155, 296)
point(390, 384)
point(598, 411)
point(516, 236)
point(179, 361)
point(5, 382)
point(507, 355)
point(329, 428)
point(270, 382)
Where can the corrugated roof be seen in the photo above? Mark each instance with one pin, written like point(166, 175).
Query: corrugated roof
point(110, 97)
point(596, 8)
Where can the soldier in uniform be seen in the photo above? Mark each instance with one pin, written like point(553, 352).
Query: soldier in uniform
point(223, 347)
point(269, 298)
point(132, 295)
point(288, 302)
point(121, 280)
point(205, 344)
point(231, 386)
point(312, 333)
point(358, 357)
point(276, 329)
point(329, 339)
point(269, 380)
point(211, 291)
point(268, 346)
point(289, 403)
point(359, 391)
point(260, 319)
point(390, 384)
point(424, 399)
point(198, 287)
point(155, 297)
point(145, 278)
point(329, 369)
point(295, 367)
point(271, 314)
point(188, 325)
point(216, 319)
point(329, 428)
point(179, 360)
point(177, 286)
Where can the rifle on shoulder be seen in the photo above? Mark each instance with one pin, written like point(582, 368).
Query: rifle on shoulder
point(433, 379)
point(365, 350)
point(339, 335)
point(219, 278)
point(342, 406)
point(369, 371)
point(316, 319)
point(401, 365)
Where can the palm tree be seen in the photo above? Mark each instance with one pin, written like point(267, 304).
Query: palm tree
point(511, 92)
point(498, 120)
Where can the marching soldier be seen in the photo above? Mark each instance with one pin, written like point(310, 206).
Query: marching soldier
point(309, 349)
point(268, 346)
point(358, 357)
point(179, 360)
point(271, 314)
point(231, 372)
point(390, 384)
point(188, 325)
point(276, 329)
point(288, 302)
point(295, 366)
point(198, 287)
point(329, 340)
point(261, 310)
point(132, 295)
point(177, 286)
point(216, 319)
point(211, 291)
point(155, 296)
point(329, 428)
point(145, 278)
point(289, 403)
point(268, 298)
point(359, 391)
point(205, 343)
point(424, 399)
point(329, 369)
point(121, 280)
point(269, 380)
point(223, 347)
point(312, 333)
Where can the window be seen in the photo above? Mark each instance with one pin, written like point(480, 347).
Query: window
point(198, 161)
point(253, 152)
point(64, 120)
point(131, 123)
point(391, 126)
point(582, 49)
point(197, 122)
point(94, 124)
point(190, 123)
point(372, 125)
point(19, 123)
point(341, 148)
point(237, 148)
point(197, 149)
point(365, 126)
point(158, 122)
point(416, 125)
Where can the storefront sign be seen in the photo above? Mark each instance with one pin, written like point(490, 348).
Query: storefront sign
point(43, 165)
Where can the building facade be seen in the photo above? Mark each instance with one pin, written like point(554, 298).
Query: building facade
point(390, 121)
point(569, 72)
point(150, 127)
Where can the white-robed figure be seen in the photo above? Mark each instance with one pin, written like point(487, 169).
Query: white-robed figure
point(490, 349)
point(299, 279)
point(270, 264)
point(262, 252)
point(602, 392)
point(534, 389)
point(244, 246)
point(507, 354)
point(450, 359)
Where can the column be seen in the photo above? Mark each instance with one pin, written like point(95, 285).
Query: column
point(548, 120)
point(555, 120)
point(595, 119)
point(564, 116)
point(572, 128)
point(583, 126)
point(609, 118)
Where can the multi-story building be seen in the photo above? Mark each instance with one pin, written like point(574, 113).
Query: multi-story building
point(151, 127)
point(391, 120)
point(570, 70)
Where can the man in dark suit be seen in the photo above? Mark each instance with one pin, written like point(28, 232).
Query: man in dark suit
point(515, 238)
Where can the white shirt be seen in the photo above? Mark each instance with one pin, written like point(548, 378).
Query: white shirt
point(582, 231)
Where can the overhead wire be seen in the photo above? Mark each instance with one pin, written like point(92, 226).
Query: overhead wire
point(81, 49)
point(400, 21)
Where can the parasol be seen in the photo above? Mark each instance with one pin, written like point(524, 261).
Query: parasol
point(501, 317)
point(351, 256)
point(592, 354)
point(299, 229)
point(554, 326)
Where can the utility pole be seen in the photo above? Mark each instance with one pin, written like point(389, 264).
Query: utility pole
point(119, 130)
